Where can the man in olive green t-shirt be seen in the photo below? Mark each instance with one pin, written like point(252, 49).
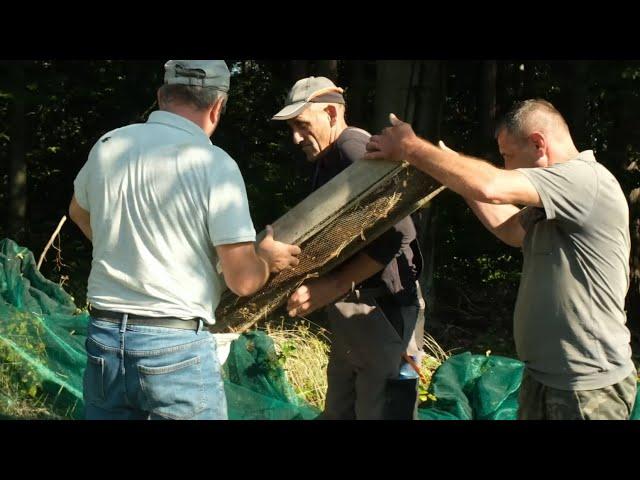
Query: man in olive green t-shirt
point(569, 320)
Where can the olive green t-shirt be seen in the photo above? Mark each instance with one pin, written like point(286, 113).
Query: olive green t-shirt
point(569, 319)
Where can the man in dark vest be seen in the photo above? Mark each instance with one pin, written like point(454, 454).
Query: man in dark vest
point(372, 299)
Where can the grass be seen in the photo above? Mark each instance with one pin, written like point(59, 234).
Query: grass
point(18, 403)
point(303, 348)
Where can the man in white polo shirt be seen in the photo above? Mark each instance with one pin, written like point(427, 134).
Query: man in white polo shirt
point(163, 207)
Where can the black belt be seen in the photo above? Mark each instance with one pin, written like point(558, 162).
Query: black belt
point(167, 322)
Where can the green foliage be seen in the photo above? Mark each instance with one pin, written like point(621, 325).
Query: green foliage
point(14, 372)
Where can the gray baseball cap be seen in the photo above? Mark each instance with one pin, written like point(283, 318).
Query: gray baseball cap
point(203, 73)
point(307, 91)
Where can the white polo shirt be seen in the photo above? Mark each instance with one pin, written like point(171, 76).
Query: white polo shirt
point(161, 196)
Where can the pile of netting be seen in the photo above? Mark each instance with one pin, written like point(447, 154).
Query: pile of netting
point(42, 360)
point(42, 354)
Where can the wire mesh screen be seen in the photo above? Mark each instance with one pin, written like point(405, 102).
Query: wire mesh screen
point(356, 225)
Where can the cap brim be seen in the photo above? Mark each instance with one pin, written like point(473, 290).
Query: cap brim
point(290, 111)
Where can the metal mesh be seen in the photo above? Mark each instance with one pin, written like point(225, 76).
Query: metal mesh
point(363, 220)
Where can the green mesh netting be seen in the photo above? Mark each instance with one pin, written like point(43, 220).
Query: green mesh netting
point(42, 337)
point(256, 385)
point(479, 387)
point(470, 386)
point(42, 355)
point(42, 359)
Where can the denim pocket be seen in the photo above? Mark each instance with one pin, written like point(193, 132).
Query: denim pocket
point(93, 380)
point(174, 391)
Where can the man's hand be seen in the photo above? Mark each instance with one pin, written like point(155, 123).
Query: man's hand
point(319, 292)
point(278, 255)
point(394, 143)
point(314, 294)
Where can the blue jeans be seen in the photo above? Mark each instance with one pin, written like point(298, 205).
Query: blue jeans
point(139, 372)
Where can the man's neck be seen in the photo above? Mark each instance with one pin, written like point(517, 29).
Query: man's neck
point(335, 134)
point(338, 131)
point(188, 113)
point(566, 153)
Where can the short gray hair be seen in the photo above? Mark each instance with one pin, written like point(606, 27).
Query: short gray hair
point(518, 120)
point(200, 97)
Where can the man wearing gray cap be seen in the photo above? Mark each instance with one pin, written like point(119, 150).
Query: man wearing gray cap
point(375, 323)
point(164, 208)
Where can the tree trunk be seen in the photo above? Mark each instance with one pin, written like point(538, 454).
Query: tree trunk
point(393, 85)
point(356, 94)
point(299, 69)
point(427, 115)
point(529, 89)
point(430, 95)
point(503, 82)
point(577, 89)
point(488, 107)
point(414, 91)
point(17, 209)
point(328, 68)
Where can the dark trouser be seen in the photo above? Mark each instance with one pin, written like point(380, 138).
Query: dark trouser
point(539, 402)
point(365, 359)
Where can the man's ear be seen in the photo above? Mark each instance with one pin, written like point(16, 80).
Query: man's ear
point(216, 111)
point(159, 100)
point(539, 142)
point(332, 111)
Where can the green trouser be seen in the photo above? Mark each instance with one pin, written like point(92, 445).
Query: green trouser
point(539, 402)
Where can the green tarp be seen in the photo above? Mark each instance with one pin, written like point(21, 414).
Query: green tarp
point(42, 359)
